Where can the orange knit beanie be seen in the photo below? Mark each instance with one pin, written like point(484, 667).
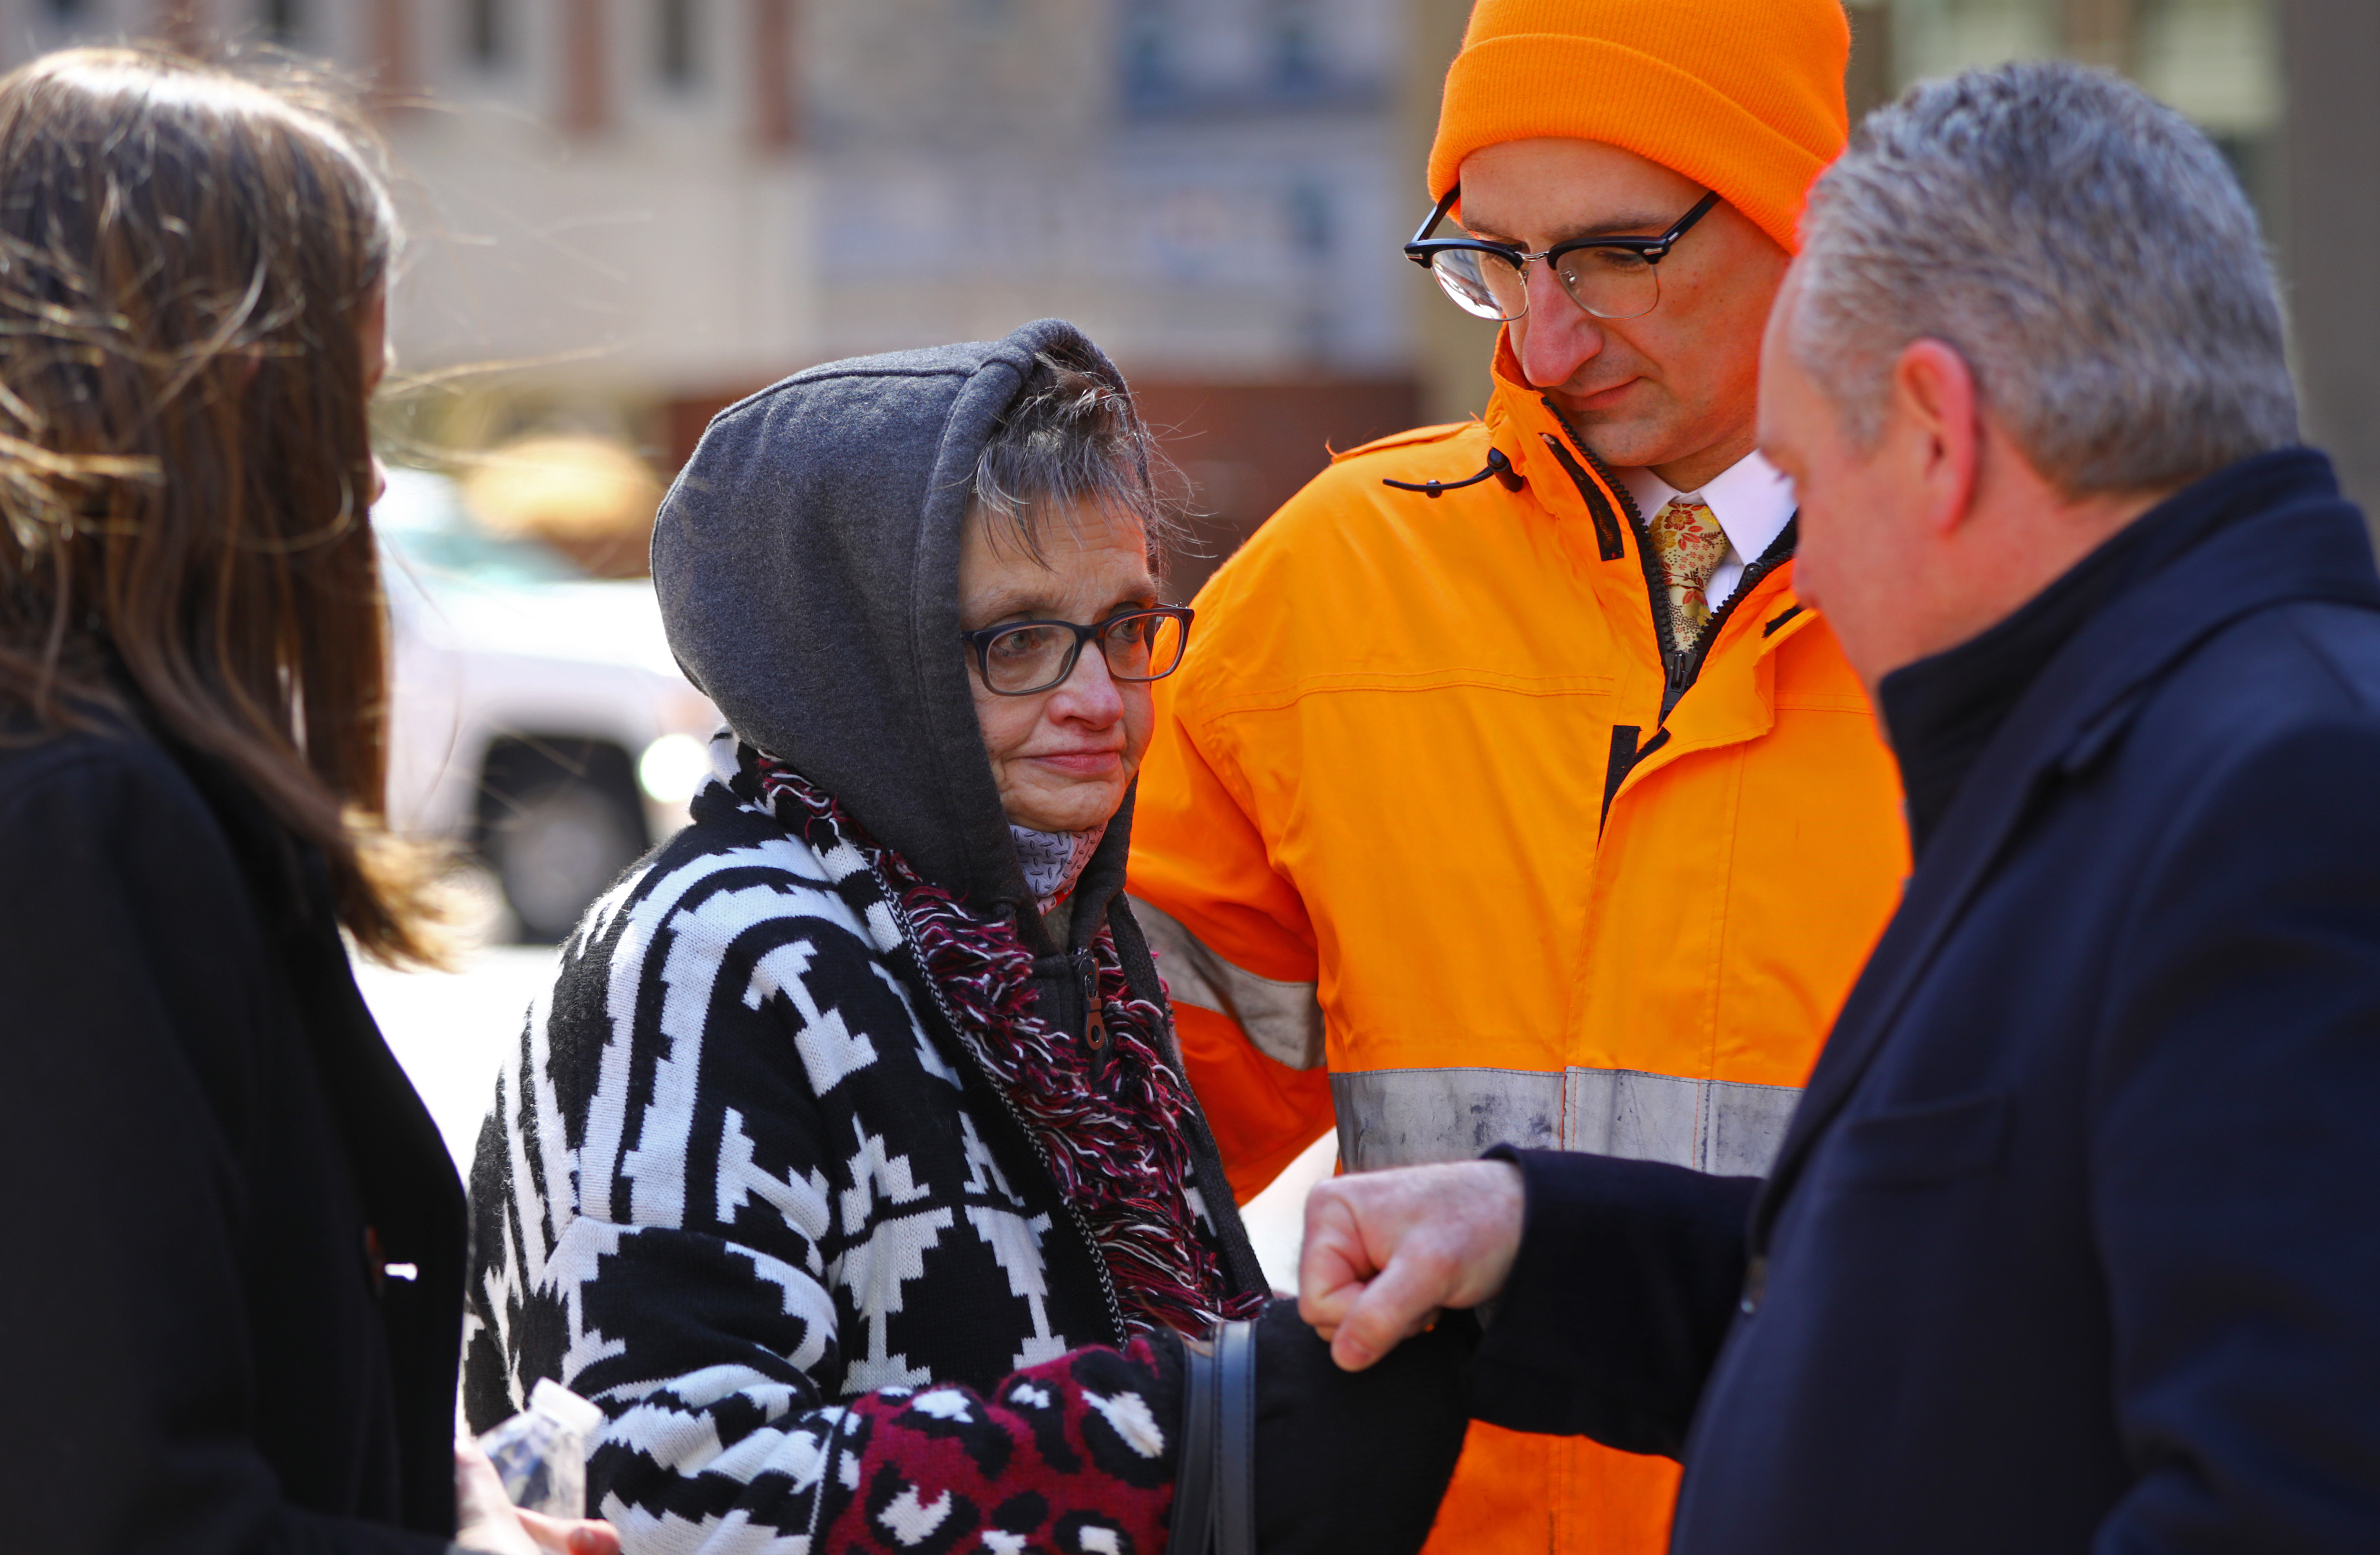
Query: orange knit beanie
point(1742, 96)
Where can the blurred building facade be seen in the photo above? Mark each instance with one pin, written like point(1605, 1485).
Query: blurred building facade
point(626, 213)
point(629, 212)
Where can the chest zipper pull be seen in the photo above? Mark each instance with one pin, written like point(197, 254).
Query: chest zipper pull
point(1095, 1023)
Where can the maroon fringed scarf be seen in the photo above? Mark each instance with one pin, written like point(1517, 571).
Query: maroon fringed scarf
point(1117, 1148)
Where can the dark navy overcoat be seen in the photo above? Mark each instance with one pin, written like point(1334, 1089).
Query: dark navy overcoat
point(2074, 1242)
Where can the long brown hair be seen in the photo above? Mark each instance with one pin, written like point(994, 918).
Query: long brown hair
point(187, 258)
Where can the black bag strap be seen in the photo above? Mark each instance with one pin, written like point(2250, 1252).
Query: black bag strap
point(1194, 1474)
point(1235, 1445)
point(1214, 1483)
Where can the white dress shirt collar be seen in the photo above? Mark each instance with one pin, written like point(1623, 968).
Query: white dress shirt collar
point(1751, 500)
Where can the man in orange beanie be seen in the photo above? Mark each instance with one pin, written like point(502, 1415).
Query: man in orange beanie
point(1509, 795)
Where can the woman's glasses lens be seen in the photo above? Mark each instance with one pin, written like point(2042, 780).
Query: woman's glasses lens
point(1027, 658)
point(1142, 646)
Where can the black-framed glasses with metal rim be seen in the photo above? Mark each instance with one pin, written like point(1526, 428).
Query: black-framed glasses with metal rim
point(1020, 657)
point(1614, 278)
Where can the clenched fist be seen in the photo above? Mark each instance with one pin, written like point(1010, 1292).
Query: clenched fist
point(1386, 1251)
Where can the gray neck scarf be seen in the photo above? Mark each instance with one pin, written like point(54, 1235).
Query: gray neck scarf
point(1053, 860)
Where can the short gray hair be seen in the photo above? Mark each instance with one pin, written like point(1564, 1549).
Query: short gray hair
point(2085, 250)
point(1073, 437)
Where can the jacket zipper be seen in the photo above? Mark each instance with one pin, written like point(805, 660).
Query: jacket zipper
point(1679, 669)
point(1752, 573)
point(1015, 1113)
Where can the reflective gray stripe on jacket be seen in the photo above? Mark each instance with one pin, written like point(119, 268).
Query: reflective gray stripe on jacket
point(1284, 1020)
point(1405, 1117)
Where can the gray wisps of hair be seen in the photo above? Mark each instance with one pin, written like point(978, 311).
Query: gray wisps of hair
point(1073, 440)
point(2085, 248)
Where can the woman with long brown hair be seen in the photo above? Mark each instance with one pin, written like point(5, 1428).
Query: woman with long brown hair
point(230, 1313)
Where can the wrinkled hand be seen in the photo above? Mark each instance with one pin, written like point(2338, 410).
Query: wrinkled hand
point(1386, 1251)
point(487, 1520)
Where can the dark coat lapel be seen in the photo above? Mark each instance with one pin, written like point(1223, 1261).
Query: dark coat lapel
point(2312, 546)
point(405, 1180)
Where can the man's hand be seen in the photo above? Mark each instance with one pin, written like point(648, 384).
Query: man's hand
point(1385, 1251)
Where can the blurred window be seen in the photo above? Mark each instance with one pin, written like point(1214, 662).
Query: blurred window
point(1943, 37)
point(1149, 63)
point(1296, 50)
point(479, 558)
point(2218, 61)
point(676, 41)
point(484, 29)
point(423, 526)
point(1216, 59)
point(1312, 229)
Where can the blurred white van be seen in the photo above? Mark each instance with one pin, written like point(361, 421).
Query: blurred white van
point(536, 717)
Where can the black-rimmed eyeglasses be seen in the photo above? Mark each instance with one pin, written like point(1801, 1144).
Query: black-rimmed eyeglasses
point(1019, 657)
point(1609, 277)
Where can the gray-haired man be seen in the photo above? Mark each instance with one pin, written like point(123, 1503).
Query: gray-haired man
point(2072, 1244)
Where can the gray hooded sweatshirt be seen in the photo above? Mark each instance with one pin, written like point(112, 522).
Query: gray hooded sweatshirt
point(807, 562)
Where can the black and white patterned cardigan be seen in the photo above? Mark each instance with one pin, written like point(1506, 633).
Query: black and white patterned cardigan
point(741, 1174)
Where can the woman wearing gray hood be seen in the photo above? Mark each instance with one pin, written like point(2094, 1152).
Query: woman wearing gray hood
point(848, 1165)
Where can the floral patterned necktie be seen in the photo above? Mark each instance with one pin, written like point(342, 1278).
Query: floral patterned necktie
point(1689, 545)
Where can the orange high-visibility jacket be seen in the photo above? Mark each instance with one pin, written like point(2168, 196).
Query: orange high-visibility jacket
point(1428, 832)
